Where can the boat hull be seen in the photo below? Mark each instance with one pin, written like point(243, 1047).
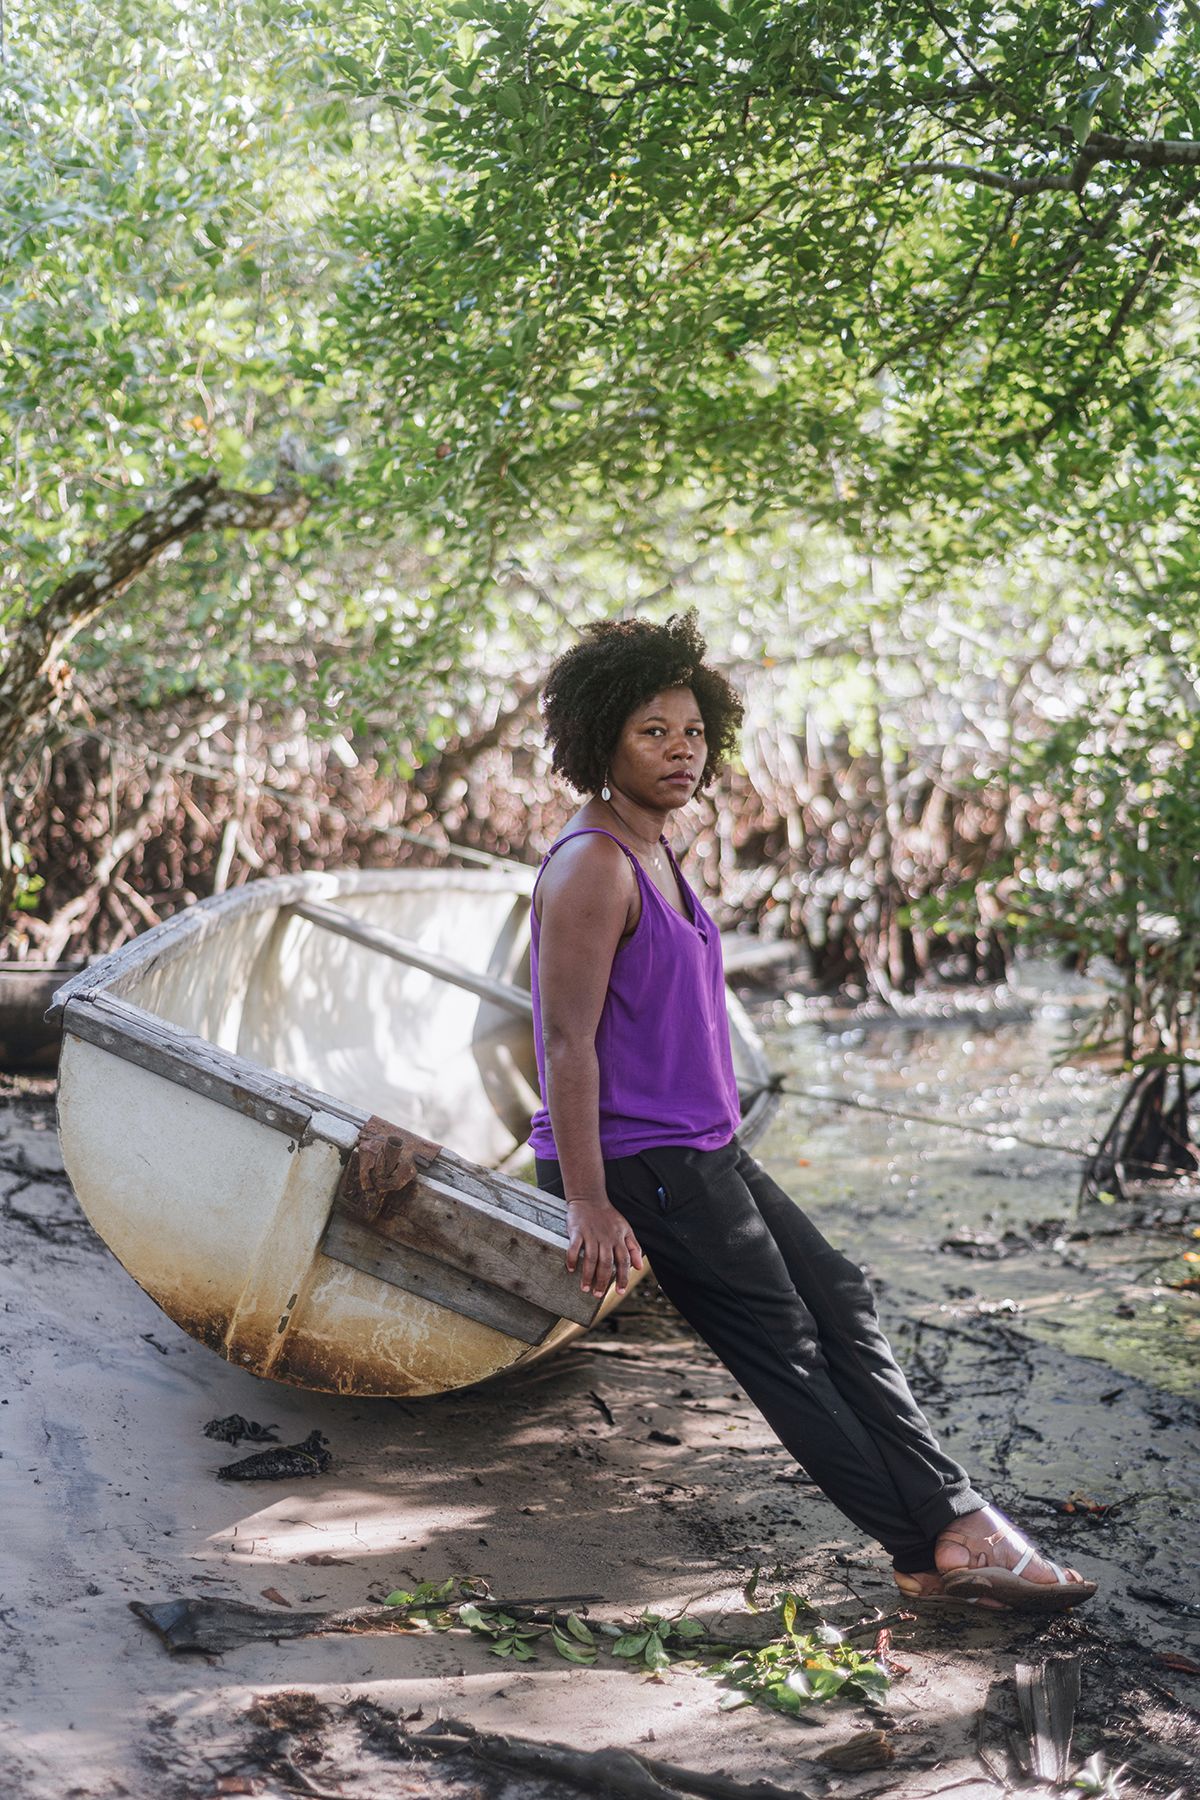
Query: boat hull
point(213, 1167)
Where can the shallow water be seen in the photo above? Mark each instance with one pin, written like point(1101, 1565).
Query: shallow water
point(891, 1191)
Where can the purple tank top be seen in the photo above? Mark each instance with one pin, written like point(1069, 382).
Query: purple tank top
point(666, 1065)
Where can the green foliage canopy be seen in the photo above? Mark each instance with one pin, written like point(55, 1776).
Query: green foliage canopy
point(873, 261)
point(162, 176)
point(170, 179)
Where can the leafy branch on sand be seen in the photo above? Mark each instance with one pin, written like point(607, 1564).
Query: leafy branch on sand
point(794, 1670)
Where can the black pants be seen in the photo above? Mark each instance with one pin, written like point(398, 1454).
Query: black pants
point(794, 1322)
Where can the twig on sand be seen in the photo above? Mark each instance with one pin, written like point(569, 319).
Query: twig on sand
point(878, 1621)
point(1172, 1602)
point(999, 1343)
point(602, 1406)
point(614, 1771)
point(290, 1776)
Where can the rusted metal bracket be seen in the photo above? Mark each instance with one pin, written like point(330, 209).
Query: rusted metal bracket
point(384, 1162)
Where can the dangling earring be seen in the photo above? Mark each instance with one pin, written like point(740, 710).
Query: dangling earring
point(606, 791)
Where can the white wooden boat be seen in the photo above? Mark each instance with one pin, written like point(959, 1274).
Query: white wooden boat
point(237, 1089)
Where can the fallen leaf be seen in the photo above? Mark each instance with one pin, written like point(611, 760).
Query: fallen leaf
point(274, 1595)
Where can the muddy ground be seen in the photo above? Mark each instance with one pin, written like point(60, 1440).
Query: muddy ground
point(1049, 1351)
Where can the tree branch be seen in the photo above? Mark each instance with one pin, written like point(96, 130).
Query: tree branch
point(1152, 153)
point(33, 672)
point(1099, 147)
point(994, 178)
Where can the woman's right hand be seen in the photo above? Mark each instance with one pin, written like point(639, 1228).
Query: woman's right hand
point(601, 1239)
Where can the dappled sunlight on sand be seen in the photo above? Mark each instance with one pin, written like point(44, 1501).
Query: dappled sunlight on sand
point(344, 1524)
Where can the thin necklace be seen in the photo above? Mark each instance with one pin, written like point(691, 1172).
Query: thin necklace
point(640, 854)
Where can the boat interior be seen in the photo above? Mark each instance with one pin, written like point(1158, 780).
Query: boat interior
point(359, 985)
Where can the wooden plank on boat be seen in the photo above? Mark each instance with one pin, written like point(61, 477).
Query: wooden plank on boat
point(406, 950)
point(348, 1241)
point(502, 1192)
point(512, 1253)
point(191, 1062)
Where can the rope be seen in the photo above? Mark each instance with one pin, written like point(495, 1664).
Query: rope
point(855, 1102)
point(217, 771)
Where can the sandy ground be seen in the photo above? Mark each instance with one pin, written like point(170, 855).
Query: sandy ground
point(549, 1484)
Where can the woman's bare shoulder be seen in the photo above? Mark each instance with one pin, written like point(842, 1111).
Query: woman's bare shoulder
point(592, 867)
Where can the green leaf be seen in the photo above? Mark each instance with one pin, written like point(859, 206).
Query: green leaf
point(1080, 121)
point(824, 1683)
point(577, 1628)
point(573, 1652)
point(712, 13)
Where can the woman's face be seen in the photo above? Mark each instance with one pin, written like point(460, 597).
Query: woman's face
point(661, 752)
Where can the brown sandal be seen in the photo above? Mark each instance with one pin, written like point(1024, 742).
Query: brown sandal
point(991, 1581)
point(915, 1597)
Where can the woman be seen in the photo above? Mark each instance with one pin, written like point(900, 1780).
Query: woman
point(638, 1131)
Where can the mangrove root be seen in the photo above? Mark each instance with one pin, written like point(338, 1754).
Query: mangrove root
point(1148, 1139)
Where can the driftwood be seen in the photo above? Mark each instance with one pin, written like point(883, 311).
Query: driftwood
point(211, 1626)
point(609, 1771)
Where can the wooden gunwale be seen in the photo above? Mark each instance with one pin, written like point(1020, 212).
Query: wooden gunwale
point(140, 1037)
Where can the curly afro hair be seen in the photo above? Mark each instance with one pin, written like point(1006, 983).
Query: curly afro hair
point(620, 664)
